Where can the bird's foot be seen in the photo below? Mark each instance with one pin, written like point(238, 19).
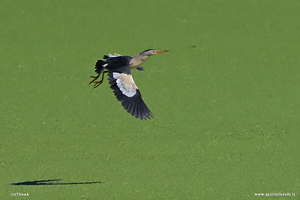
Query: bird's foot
point(97, 83)
point(94, 78)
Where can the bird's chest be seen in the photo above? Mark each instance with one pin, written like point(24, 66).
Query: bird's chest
point(134, 63)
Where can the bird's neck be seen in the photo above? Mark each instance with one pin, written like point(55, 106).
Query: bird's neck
point(137, 61)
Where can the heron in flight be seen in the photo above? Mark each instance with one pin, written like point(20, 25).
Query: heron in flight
point(121, 82)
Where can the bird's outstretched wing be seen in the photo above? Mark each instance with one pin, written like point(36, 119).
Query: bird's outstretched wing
point(128, 94)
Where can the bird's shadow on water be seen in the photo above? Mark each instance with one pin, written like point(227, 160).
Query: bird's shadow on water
point(52, 182)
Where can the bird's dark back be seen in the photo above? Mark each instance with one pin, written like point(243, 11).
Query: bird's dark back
point(119, 64)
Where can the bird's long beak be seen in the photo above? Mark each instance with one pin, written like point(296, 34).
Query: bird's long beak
point(161, 51)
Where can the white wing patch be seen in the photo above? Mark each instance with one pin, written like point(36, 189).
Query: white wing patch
point(125, 83)
point(114, 55)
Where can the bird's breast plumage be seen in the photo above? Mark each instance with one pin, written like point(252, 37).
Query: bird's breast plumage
point(136, 61)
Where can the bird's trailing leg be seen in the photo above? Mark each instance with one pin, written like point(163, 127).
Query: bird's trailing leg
point(97, 83)
point(94, 78)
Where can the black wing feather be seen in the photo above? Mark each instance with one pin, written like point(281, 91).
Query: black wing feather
point(134, 105)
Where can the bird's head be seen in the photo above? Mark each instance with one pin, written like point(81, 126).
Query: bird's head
point(150, 52)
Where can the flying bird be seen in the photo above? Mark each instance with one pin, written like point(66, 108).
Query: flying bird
point(121, 82)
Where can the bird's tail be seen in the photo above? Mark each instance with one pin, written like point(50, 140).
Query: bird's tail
point(100, 66)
